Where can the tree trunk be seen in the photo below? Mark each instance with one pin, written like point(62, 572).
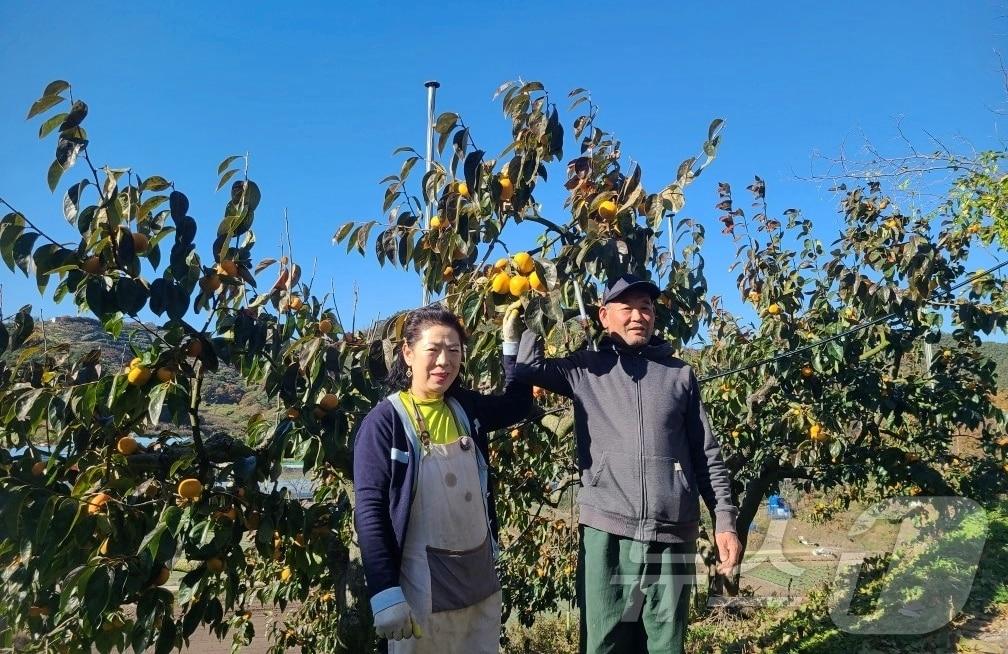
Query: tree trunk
point(752, 500)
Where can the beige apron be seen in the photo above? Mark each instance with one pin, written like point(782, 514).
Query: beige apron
point(447, 572)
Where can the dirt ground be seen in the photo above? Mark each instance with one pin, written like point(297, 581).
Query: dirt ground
point(202, 642)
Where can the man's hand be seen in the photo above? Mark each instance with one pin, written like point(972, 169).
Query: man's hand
point(513, 325)
point(729, 550)
point(395, 622)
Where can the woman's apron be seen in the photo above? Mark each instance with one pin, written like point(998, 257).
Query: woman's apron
point(447, 573)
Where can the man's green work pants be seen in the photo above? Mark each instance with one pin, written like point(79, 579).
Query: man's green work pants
point(633, 596)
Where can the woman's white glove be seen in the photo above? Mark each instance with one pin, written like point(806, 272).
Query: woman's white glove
point(396, 622)
point(513, 324)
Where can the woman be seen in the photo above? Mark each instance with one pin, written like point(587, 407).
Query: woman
point(424, 510)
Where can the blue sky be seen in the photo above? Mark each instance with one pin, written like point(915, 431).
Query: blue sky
point(321, 93)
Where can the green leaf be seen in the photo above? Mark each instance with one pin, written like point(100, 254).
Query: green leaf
point(471, 168)
point(11, 228)
point(54, 174)
point(714, 128)
point(114, 325)
point(263, 265)
point(442, 141)
point(22, 327)
point(147, 611)
point(155, 183)
point(75, 583)
point(166, 638)
point(71, 201)
point(55, 87)
point(51, 257)
point(682, 174)
point(672, 198)
point(86, 218)
point(178, 204)
point(52, 123)
point(446, 122)
point(44, 103)
point(78, 111)
point(95, 293)
point(67, 150)
point(253, 196)
point(405, 249)
point(233, 224)
point(556, 135)
point(193, 617)
point(23, 251)
point(502, 88)
point(158, 237)
point(45, 520)
point(96, 595)
point(459, 142)
point(150, 204)
point(362, 235)
point(710, 149)
point(152, 540)
point(180, 464)
point(391, 195)
point(156, 401)
point(341, 233)
point(227, 162)
point(176, 301)
point(172, 517)
point(224, 180)
point(130, 295)
point(157, 296)
point(126, 251)
point(407, 167)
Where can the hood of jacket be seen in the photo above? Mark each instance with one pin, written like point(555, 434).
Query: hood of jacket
point(657, 349)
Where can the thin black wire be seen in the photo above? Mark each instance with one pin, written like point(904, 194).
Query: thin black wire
point(865, 325)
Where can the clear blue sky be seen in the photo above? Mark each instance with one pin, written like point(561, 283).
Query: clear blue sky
point(321, 93)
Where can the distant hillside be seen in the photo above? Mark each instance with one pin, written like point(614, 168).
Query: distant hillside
point(998, 352)
point(227, 403)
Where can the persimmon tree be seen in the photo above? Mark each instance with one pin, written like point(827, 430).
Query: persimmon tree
point(95, 516)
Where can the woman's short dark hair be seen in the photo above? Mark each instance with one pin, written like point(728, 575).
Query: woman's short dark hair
point(416, 321)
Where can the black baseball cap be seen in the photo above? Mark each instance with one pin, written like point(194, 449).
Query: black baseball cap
point(628, 282)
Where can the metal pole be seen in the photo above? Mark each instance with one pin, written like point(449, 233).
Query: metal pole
point(671, 242)
point(432, 87)
point(584, 316)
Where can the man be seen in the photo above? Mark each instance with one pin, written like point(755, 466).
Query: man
point(647, 455)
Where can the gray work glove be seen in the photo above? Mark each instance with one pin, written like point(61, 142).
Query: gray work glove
point(396, 622)
point(514, 323)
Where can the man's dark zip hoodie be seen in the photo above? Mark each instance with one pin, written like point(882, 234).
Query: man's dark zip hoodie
point(644, 444)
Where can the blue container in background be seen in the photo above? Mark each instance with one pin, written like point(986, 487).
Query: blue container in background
point(777, 508)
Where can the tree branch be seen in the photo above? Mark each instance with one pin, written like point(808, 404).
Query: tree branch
point(546, 222)
point(194, 418)
point(219, 448)
point(758, 397)
point(30, 223)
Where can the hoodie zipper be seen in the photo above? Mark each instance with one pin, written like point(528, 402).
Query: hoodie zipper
point(643, 477)
point(640, 444)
